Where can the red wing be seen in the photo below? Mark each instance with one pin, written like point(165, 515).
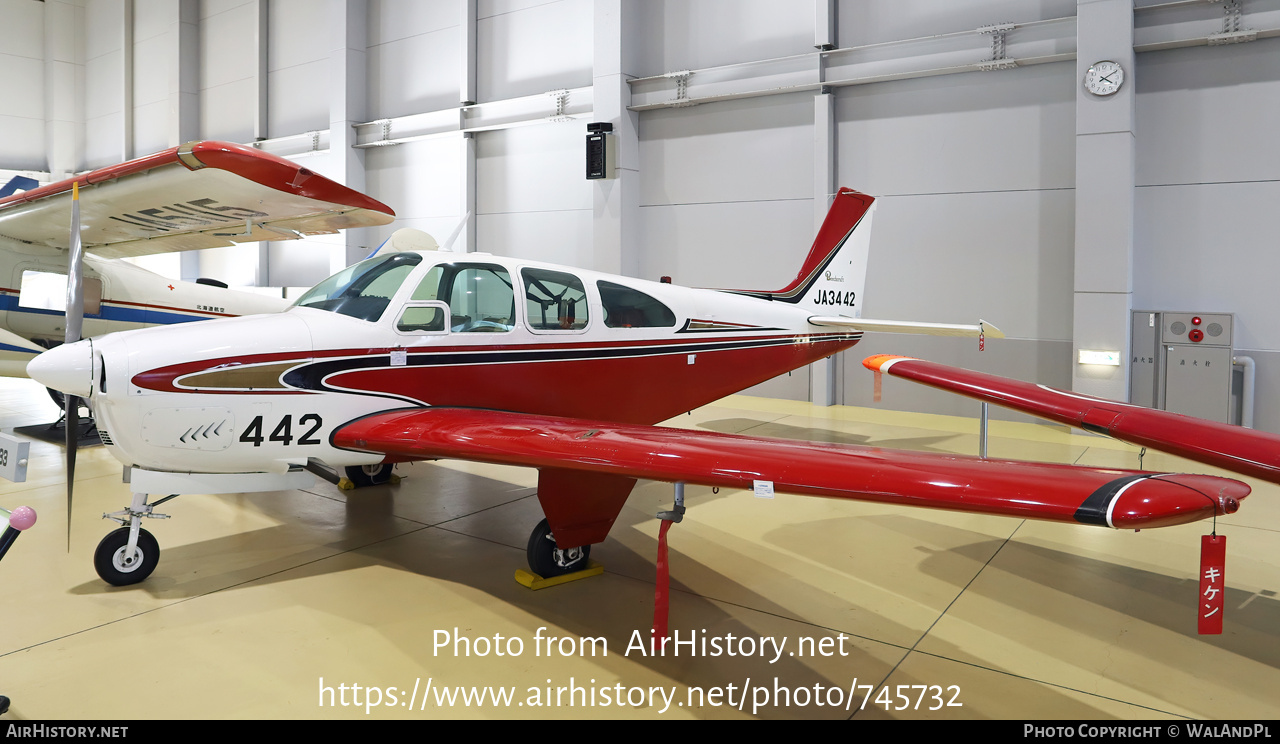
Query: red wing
point(199, 195)
point(1233, 448)
point(1118, 498)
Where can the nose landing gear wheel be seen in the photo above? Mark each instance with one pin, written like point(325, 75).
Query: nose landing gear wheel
point(369, 475)
point(547, 560)
point(112, 565)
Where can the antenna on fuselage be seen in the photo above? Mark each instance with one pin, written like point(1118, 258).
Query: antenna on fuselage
point(453, 236)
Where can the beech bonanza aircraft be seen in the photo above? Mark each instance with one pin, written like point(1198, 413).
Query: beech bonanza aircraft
point(424, 355)
point(199, 195)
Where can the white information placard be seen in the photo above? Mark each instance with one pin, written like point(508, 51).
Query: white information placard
point(13, 458)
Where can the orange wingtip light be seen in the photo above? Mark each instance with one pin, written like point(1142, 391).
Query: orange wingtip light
point(876, 363)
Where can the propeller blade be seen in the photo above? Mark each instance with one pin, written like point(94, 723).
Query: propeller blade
point(75, 271)
point(72, 423)
point(74, 325)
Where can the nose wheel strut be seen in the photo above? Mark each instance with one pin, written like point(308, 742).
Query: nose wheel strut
point(129, 555)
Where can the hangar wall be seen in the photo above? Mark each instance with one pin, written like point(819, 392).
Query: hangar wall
point(976, 172)
point(22, 113)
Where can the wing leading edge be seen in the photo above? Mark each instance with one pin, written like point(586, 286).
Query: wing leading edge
point(1117, 498)
point(1240, 450)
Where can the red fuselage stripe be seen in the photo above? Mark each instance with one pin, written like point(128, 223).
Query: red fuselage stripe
point(638, 382)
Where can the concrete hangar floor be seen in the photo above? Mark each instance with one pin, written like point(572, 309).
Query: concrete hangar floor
point(289, 604)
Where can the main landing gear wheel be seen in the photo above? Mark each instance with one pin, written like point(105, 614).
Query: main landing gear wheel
point(369, 475)
point(547, 560)
point(112, 565)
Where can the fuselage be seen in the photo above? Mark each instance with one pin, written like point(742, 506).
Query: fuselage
point(119, 296)
point(433, 329)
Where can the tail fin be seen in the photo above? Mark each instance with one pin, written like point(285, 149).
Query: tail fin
point(832, 278)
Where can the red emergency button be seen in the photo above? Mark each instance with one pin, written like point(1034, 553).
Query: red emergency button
point(1196, 335)
point(1195, 320)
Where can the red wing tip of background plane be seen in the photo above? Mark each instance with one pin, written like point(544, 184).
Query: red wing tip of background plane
point(278, 173)
point(250, 163)
point(878, 362)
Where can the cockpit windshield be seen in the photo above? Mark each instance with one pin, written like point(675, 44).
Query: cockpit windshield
point(362, 290)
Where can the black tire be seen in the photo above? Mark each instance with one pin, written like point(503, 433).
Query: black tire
point(369, 475)
point(60, 401)
point(107, 559)
point(546, 560)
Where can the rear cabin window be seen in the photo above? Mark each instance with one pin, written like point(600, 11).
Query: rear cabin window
point(481, 297)
point(554, 300)
point(625, 307)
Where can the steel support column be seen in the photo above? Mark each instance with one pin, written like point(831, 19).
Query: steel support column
point(824, 375)
point(63, 87)
point(1105, 156)
point(616, 201)
point(348, 23)
point(467, 142)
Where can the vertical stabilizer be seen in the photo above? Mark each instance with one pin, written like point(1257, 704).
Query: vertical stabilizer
point(831, 281)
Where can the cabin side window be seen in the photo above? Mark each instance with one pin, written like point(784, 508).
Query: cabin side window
point(481, 297)
point(625, 307)
point(46, 290)
point(554, 300)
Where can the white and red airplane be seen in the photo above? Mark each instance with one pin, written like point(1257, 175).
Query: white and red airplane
point(423, 355)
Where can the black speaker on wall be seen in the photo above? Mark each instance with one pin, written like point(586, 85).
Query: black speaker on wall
point(600, 150)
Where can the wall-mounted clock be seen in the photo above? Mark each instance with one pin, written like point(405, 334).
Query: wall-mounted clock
point(1104, 78)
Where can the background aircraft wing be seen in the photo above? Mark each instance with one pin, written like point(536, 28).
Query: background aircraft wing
point(198, 195)
point(1118, 498)
point(1233, 448)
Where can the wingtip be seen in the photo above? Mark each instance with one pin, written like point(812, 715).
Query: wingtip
point(878, 362)
point(989, 329)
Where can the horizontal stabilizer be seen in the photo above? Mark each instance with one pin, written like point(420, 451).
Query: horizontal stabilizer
point(908, 326)
point(10, 341)
point(15, 352)
point(1124, 499)
point(1233, 448)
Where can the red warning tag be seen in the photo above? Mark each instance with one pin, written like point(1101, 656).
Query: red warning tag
point(1213, 587)
point(661, 592)
point(982, 340)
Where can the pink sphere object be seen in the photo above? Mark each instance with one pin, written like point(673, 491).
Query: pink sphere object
point(22, 518)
